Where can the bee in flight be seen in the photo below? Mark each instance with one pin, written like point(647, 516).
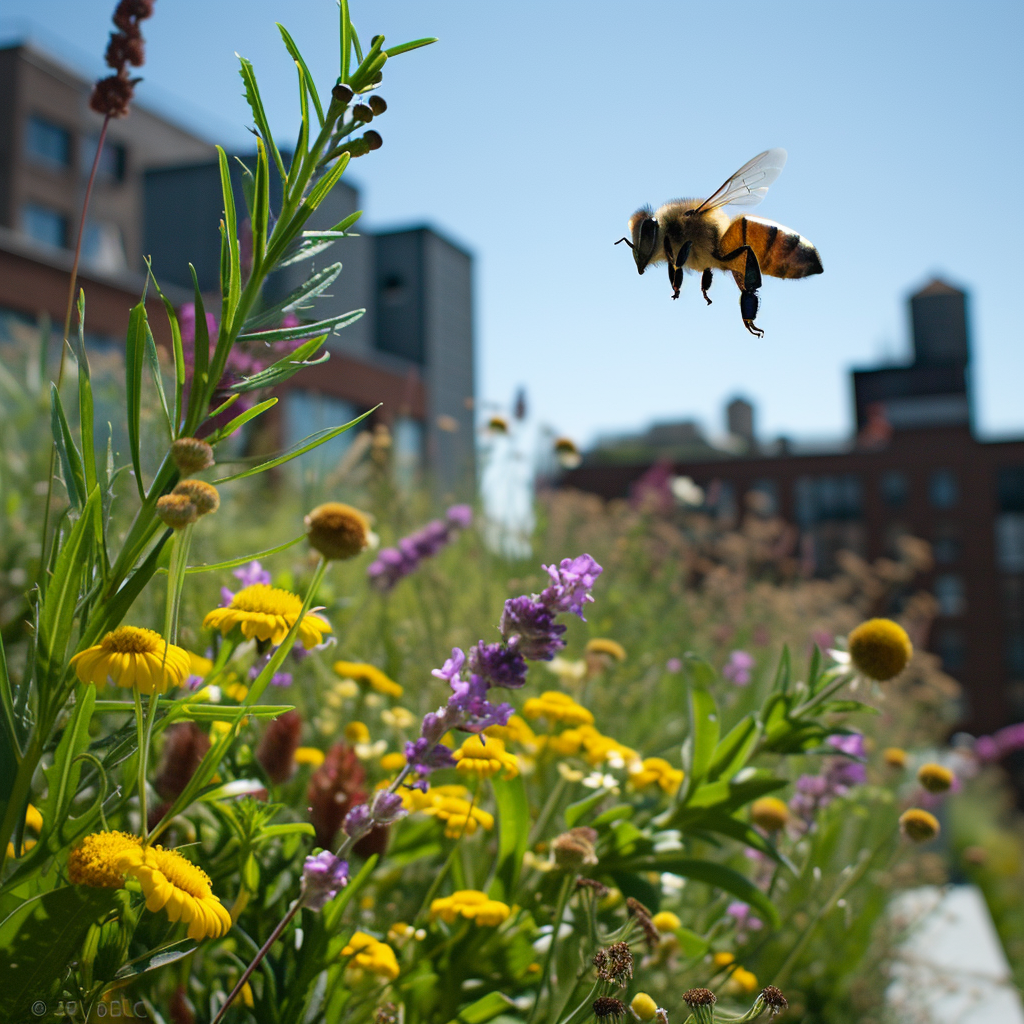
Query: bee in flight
point(697, 234)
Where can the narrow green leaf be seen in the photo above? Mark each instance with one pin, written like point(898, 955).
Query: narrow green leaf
point(335, 323)
point(85, 403)
point(177, 348)
point(231, 289)
point(134, 356)
point(240, 420)
point(741, 831)
point(153, 361)
point(63, 775)
point(315, 285)
point(368, 64)
point(302, 143)
point(734, 749)
point(394, 51)
point(244, 559)
point(10, 746)
point(295, 828)
point(297, 57)
point(224, 406)
point(228, 713)
point(306, 251)
point(692, 944)
point(200, 360)
point(284, 235)
point(782, 675)
point(346, 39)
point(513, 832)
point(575, 812)
point(260, 207)
point(315, 440)
point(484, 1009)
point(705, 723)
point(252, 97)
point(156, 958)
point(285, 368)
point(70, 458)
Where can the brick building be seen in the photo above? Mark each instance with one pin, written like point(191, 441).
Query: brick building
point(158, 194)
point(915, 467)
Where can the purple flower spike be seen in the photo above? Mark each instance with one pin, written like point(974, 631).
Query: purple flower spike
point(387, 808)
point(425, 757)
point(357, 821)
point(529, 627)
point(498, 665)
point(460, 517)
point(852, 744)
point(323, 877)
point(571, 583)
point(738, 668)
point(251, 574)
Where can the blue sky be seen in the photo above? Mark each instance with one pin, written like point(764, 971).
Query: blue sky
point(532, 130)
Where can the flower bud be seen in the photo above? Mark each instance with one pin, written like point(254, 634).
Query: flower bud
point(342, 93)
point(357, 821)
point(387, 808)
point(769, 813)
point(323, 877)
point(919, 826)
point(203, 495)
point(574, 850)
point(373, 139)
point(361, 112)
point(176, 511)
point(377, 104)
point(644, 1006)
point(191, 455)
point(337, 531)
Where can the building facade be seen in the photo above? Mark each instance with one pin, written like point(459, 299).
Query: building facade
point(158, 194)
point(915, 468)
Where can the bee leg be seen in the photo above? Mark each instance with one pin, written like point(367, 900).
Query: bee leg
point(705, 284)
point(751, 283)
point(675, 266)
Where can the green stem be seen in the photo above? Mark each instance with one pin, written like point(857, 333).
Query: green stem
point(552, 802)
point(556, 926)
point(581, 1011)
point(140, 726)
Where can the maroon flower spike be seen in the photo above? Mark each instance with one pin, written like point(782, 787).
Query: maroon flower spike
point(184, 747)
point(335, 788)
point(112, 96)
point(276, 752)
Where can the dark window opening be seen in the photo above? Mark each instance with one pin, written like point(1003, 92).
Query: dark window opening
point(895, 488)
point(943, 489)
point(45, 225)
point(48, 143)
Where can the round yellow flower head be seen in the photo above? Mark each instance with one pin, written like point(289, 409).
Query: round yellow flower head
point(644, 1006)
point(309, 755)
point(173, 883)
point(935, 778)
point(665, 921)
point(880, 649)
point(895, 757)
point(600, 645)
point(497, 425)
point(94, 861)
point(919, 826)
point(368, 675)
point(742, 982)
point(723, 958)
point(458, 814)
point(656, 771)
point(769, 813)
point(191, 455)
point(337, 531)
point(176, 511)
point(567, 453)
point(393, 762)
point(203, 495)
point(515, 730)
point(130, 656)
point(357, 732)
point(557, 707)
point(372, 955)
point(472, 904)
point(264, 612)
point(485, 756)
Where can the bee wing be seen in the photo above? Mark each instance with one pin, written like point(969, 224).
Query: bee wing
point(748, 186)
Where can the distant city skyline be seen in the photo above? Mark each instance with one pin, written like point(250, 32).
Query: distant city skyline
point(530, 134)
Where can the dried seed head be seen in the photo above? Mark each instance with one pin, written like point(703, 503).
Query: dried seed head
point(574, 849)
point(643, 918)
point(774, 1000)
point(177, 511)
point(609, 1006)
point(614, 964)
point(702, 1002)
point(377, 104)
point(599, 889)
point(203, 495)
point(337, 531)
point(191, 455)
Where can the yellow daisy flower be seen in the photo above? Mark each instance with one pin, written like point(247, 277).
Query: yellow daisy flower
point(417, 800)
point(309, 755)
point(372, 955)
point(134, 657)
point(656, 771)
point(34, 821)
point(602, 645)
point(95, 860)
point(515, 730)
point(484, 756)
point(393, 762)
point(471, 904)
point(459, 816)
point(267, 613)
point(557, 707)
point(368, 675)
point(769, 813)
point(173, 883)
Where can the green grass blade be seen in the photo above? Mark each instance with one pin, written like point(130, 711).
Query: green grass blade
point(240, 420)
point(394, 51)
point(134, 356)
point(70, 459)
point(153, 362)
point(315, 440)
point(297, 57)
point(232, 563)
point(252, 97)
point(85, 403)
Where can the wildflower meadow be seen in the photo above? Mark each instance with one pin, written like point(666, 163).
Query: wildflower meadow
point(295, 748)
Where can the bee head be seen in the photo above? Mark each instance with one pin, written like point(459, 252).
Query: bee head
point(644, 229)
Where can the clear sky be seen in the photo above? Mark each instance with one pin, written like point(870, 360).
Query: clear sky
point(532, 130)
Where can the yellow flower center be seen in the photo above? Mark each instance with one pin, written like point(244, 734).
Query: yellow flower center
point(133, 640)
point(95, 860)
point(268, 600)
point(880, 648)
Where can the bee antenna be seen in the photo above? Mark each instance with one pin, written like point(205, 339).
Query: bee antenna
point(626, 240)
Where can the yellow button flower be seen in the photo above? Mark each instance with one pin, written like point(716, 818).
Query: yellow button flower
point(171, 882)
point(393, 762)
point(602, 645)
point(134, 657)
point(309, 755)
point(484, 757)
point(263, 612)
point(371, 955)
point(895, 757)
point(742, 982)
point(556, 706)
point(644, 1006)
point(515, 730)
point(417, 800)
point(723, 959)
point(357, 732)
point(598, 748)
point(769, 813)
point(666, 921)
point(459, 816)
point(473, 905)
point(368, 675)
point(936, 778)
point(656, 771)
point(34, 821)
point(918, 825)
point(879, 649)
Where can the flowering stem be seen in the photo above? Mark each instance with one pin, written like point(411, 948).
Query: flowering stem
point(439, 877)
point(258, 959)
point(141, 733)
point(181, 541)
point(556, 926)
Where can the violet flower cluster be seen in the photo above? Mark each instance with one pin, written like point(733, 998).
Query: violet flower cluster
point(738, 668)
point(1000, 744)
point(323, 877)
point(529, 631)
point(394, 564)
point(813, 792)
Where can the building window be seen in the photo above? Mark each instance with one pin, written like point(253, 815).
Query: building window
point(943, 489)
point(946, 544)
point(1010, 542)
point(112, 160)
point(44, 225)
point(949, 592)
point(408, 445)
point(103, 247)
point(951, 648)
point(828, 498)
point(309, 412)
point(393, 290)
point(48, 143)
point(895, 488)
point(1015, 654)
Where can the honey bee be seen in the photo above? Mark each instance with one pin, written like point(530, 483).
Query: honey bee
point(697, 234)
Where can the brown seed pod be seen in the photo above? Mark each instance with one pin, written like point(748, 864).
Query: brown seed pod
point(337, 531)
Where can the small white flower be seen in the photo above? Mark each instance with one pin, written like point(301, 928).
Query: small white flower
point(600, 780)
point(686, 492)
